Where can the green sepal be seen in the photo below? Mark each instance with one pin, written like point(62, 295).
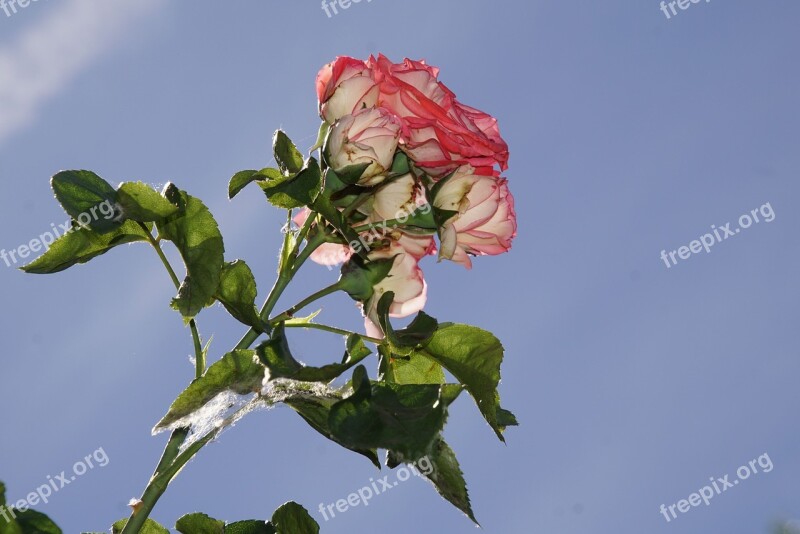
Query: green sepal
point(359, 277)
point(289, 159)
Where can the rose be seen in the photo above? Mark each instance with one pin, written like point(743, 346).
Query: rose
point(440, 133)
point(370, 137)
point(411, 88)
point(344, 87)
point(466, 137)
point(485, 222)
point(405, 280)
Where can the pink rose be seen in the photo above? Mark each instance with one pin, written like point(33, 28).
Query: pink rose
point(406, 281)
point(485, 223)
point(369, 136)
point(440, 133)
point(344, 87)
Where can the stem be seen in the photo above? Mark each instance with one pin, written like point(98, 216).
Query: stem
point(324, 292)
point(281, 283)
point(155, 488)
point(199, 355)
point(333, 330)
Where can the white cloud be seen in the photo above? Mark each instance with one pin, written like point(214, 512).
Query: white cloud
point(67, 40)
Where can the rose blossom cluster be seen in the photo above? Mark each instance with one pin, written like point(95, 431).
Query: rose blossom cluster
point(376, 110)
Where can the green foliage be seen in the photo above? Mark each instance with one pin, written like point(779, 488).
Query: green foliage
point(195, 233)
point(241, 180)
point(199, 524)
point(237, 292)
point(238, 371)
point(474, 357)
point(404, 412)
point(275, 354)
point(418, 332)
point(26, 522)
point(81, 245)
point(81, 193)
point(142, 203)
point(293, 190)
point(405, 419)
point(149, 527)
point(291, 518)
point(289, 159)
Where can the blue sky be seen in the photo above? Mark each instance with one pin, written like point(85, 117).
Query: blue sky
point(630, 133)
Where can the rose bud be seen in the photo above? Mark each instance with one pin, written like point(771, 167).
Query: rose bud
point(484, 222)
point(369, 138)
point(344, 87)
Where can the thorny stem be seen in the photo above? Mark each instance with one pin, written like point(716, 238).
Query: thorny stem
point(172, 460)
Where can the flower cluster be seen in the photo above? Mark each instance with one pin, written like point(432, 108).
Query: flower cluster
point(411, 153)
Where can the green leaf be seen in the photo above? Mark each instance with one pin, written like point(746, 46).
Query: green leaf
point(199, 524)
point(238, 371)
point(81, 245)
point(32, 522)
point(196, 235)
point(473, 356)
point(291, 518)
point(445, 473)
point(237, 292)
point(315, 410)
point(241, 180)
point(275, 354)
point(82, 194)
point(418, 332)
point(7, 524)
point(250, 527)
point(405, 419)
point(415, 368)
point(141, 202)
point(293, 190)
point(289, 159)
point(149, 527)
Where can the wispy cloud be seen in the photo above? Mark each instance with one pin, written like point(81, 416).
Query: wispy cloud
point(59, 46)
